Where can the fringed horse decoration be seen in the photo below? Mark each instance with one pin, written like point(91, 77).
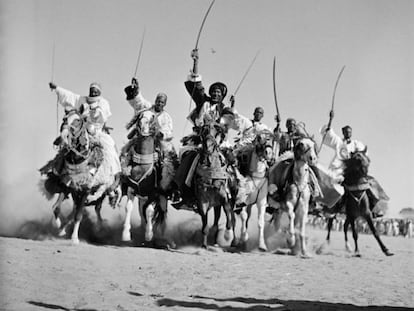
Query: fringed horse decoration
point(357, 198)
point(79, 169)
point(295, 182)
point(211, 182)
point(141, 174)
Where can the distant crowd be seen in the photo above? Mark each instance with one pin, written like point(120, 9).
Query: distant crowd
point(384, 226)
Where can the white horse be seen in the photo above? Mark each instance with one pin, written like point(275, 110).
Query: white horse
point(299, 183)
point(256, 187)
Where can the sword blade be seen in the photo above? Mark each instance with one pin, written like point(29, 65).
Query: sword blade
point(202, 24)
point(140, 52)
point(247, 71)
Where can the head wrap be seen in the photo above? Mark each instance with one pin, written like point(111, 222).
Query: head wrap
point(97, 86)
point(218, 85)
point(290, 120)
point(259, 109)
point(346, 127)
point(162, 95)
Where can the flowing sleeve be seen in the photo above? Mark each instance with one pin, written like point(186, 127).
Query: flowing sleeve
point(67, 99)
point(165, 125)
point(105, 110)
point(332, 140)
point(139, 102)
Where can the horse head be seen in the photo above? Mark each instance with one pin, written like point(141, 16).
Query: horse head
point(263, 145)
point(145, 123)
point(211, 137)
point(357, 165)
point(304, 150)
point(78, 143)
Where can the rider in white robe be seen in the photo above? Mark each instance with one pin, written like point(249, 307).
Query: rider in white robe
point(97, 111)
point(343, 148)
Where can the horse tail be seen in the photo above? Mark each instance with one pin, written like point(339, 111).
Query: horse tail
point(45, 189)
point(160, 214)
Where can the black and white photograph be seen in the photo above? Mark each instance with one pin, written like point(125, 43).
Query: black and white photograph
point(207, 155)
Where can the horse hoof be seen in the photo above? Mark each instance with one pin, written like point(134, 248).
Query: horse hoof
point(228, 235)
point(388, 253)
point(262, 247)
point(126, 237)
point(75, 241)
point(148, 236)
point(306, 256)
point(245, 237)
point(62, 232)
point(58, 222)
point(291, 241)
point(358, 255)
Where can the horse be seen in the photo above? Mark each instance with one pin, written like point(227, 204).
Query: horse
point(357, 199)
point(254, 164)
point(84, 174)
point(211, 182)
point(295, 182)
point(140, 177)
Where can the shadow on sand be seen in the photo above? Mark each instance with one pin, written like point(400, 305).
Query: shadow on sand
point(268, 304)
point(56, 307)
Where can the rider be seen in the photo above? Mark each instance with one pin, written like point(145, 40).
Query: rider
point(162, 126)
point(257, 117)
point(287, 140)
point(344, 147)
point(96, 111)
point(209, 107)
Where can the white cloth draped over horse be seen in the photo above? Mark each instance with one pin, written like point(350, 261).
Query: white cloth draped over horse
point(97, 111)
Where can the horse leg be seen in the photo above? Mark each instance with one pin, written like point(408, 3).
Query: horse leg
point(303, 214)
point(203, 210)
point(126, 232)
point(376, 235)
point(56, 210)
point(290, 210)
point(329, 225)
point(149, 212)
point(217, 215)
point(79, 205)
point(261, 204)
point(346, 225)
point(244, 218)
point(355, 236)
point(228, 234)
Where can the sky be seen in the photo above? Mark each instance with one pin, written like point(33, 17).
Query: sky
point(74, 43)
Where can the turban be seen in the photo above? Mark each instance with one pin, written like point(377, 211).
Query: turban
point(290, 120)
point(259, 109)
point(162, 95)
point(218, 85)
point(97, 86)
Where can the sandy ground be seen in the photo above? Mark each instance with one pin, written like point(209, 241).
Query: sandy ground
point(52, 274)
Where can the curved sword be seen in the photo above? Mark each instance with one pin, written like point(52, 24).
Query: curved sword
point(139, 55)
point(247, 71)
point(332, 106)
point(274, 86)
point(202, 24)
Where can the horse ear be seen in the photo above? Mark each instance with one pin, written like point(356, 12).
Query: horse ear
point(365, 150)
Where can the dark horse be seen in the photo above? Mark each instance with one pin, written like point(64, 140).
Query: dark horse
point(211, 182)
point(357, 198)
point(141, 175)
